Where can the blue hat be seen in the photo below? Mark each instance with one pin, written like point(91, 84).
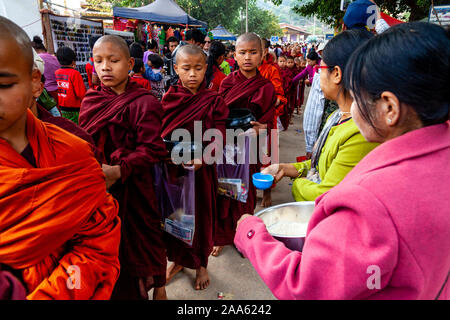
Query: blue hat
point(356, 15)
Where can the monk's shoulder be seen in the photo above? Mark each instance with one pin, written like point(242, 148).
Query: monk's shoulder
point(146, 102)
point(67, 145)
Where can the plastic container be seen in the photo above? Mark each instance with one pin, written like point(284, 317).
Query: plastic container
point(262, 181)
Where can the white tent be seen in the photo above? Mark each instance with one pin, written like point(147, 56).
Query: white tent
point(25, 13)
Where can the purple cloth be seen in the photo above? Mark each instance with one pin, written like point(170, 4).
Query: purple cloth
point(51, 65)
point(10, 287)
point(146, 54)
point(307, 71)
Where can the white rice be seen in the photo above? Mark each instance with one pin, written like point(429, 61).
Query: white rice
point(288, 228)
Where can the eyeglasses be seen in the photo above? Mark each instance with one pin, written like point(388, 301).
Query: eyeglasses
point(319, 68)
point(207, 41)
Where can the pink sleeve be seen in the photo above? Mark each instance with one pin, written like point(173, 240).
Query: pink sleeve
point(347, 243)
point(302, 75)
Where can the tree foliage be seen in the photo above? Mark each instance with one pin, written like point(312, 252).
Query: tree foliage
point(228, 14)
point(329, 11)
point(215, 12)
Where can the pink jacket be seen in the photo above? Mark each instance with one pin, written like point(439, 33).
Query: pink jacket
point(382, 233)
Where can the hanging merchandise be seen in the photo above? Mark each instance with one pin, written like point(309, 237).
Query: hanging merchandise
point(170, 33)
point(177, 34)
point(155, 33)
point(162, 37)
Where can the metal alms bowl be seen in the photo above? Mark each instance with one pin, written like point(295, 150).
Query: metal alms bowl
point(240, 118)
point(300, 212)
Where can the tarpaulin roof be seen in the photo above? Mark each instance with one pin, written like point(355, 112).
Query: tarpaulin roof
point(220, 33)
point(164, 11)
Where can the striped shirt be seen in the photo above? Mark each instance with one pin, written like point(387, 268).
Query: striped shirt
point(312, 117)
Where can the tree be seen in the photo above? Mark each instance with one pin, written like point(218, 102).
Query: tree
point(329, 11)
point(262, 22)
point(227, 13)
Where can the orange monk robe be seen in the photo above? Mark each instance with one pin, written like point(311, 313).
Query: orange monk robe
point(57, 219)
point(269, 71)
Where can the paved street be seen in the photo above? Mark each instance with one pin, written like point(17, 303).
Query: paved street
point(229, 273)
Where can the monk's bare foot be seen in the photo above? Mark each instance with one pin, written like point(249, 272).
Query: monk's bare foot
point(159, 293)
point(201, 279)
point(172, 271)
point(267, 199)
point(216, 251)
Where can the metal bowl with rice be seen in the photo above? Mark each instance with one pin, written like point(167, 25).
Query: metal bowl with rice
point(288, 222)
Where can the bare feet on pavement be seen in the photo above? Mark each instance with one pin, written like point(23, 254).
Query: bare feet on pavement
point(216, 251)
point(159, 293)
point(201, 279)
point(267, 199)
point(172, 271)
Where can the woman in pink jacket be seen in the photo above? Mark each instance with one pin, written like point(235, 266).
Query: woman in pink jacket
point(384, 231)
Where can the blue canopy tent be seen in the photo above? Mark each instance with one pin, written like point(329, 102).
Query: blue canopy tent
point(220, 33)
point(162, 11)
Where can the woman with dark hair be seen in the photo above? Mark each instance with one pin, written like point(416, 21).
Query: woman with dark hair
point(51, 64)
point(213, 74)
point(384, 231)
point(136, 50)
point(340, 145)
point(152, 48)
point(312, 60)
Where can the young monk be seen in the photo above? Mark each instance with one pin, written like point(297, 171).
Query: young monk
point(269, 69)
point(124, 120)
point(287, 74)
point(59, 227)
point(244, 88)
point(183, 104)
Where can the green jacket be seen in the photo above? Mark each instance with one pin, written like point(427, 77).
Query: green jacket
point(225, 67)
point(344, 148)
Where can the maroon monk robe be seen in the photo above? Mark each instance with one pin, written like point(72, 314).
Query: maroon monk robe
point(181, 109)
point(287, 76)
point(69, 126)
point(258, 95)
point(10, 287)
point(127, 128)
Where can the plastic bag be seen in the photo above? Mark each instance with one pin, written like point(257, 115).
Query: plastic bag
point(234, 173)
point(175, 191)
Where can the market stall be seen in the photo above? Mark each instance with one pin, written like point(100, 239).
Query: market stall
point(71, 32)
point(158, 20)
point(220, 33)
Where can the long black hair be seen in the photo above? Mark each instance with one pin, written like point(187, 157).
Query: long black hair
point(411, 60)
point(216, 50)
point(38, 44)
point(338, 50)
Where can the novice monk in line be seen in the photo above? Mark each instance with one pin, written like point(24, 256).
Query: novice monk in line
point(270, 70)
point(124, 120)
point(183, 104)
point(244, 88)
point(59, 229)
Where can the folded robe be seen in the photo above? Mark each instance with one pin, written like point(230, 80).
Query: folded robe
point(127, 129)
point(258, 95)
point(181, 109)
point(57, 215)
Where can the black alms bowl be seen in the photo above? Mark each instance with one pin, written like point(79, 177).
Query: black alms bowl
point(192, 148)
point(240, 119)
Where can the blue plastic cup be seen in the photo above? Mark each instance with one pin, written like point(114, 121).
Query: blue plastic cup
point(262, 181)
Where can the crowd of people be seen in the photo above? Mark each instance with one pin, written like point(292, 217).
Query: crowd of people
point(81, 216)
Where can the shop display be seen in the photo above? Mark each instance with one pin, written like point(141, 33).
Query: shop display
point(75, 33)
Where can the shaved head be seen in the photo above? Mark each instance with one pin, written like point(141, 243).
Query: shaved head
point(191, 50)
point(11, 31)
point(119, 42)
point(249, 37)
